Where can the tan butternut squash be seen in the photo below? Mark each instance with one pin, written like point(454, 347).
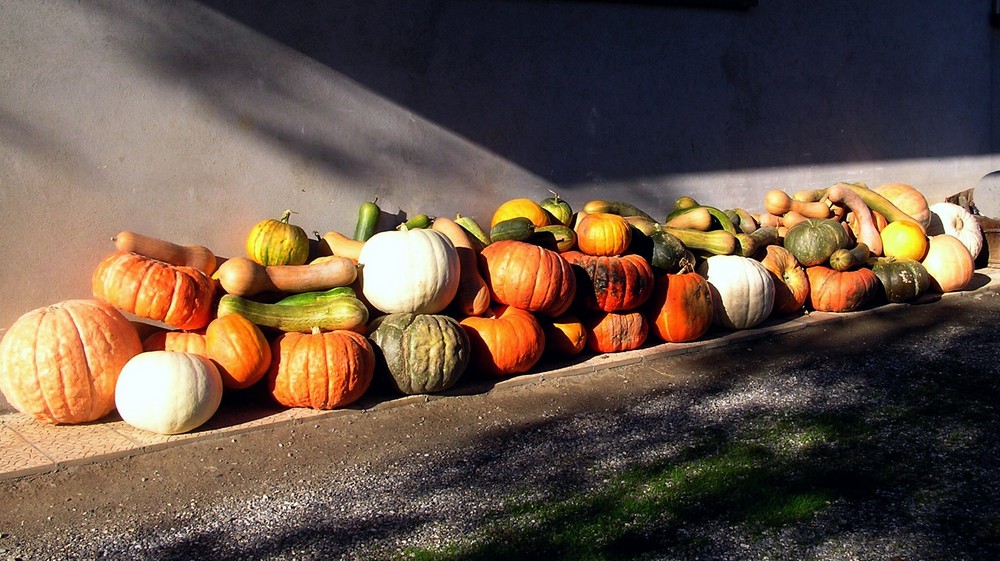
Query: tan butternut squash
point(243, 277)
point(335, 243)
point(778, 202)
point(866, 232)
point(196, 256)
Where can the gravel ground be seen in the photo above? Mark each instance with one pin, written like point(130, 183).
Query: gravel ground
point(889, 418)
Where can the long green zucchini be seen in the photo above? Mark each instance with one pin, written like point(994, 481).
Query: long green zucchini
point(317, 297)
point(345, 312)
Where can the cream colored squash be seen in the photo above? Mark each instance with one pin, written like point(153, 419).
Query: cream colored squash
point(168, 392)
point(742, 290)
point(414, 271)
point(949, 263)
point(949, 218)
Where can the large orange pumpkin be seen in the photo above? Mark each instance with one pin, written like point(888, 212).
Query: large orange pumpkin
point(681, 308)
point(612, 332)
point(506, 341)
point(320, 370)
point(611, 283)
point(60, 363)
point(907, 199)
point(840, 291)
point(603, 234)
point(528, 277)
point(240, 350)
point(180, 297)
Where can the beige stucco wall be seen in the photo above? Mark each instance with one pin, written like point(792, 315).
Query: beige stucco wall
point(179, 121)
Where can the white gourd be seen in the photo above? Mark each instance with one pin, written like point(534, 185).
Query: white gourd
point(952, 219)
point(168, 392)
point(742, 290)
point(414, 271)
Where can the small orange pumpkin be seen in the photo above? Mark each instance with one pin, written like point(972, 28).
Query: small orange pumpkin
point(506, 341)
point(60, 363)
point(603, 234)
point(840, 291)
point(527, 208)
point(240, 350)
point(565, 336)
point(176, 341)
point(528, 277)
point(180, 297)
point(681, 308)
point(320, 370)
point(904, 239)
point(612, 332)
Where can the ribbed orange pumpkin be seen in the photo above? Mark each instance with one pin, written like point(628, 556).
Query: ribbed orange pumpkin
point(180, 297)
point(840, 291)
point(176, 341)
point(320, 370)
point(612, 283)
point(680, 309)
point(60, 363)
point(506, 341)
point(612, 332)
point(528, 277)
point(240, 350)
point(603, 234)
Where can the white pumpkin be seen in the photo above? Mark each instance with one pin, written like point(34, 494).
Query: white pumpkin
point(414, 271)
point(952, 219)
point(168, 392)
point(742, 290)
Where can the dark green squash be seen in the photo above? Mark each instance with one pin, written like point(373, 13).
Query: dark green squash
point(419, 353)
point(902, 280)
point(814, 240)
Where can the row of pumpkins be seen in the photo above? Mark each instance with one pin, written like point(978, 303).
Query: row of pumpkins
point(319, 319)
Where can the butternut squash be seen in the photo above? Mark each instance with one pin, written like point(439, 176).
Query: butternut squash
point(473, 296)
point(243, 277)
point(793, 217)
point(847, 259)
point(696, 218)
point(866, 232)
point(718, 242)
point(761, 237)
point(196, 256)
point(335, 243)
point(778, 202)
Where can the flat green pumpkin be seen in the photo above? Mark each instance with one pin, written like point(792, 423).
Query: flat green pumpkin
point(421, 353)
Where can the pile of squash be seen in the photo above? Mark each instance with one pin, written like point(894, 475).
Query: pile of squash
point(415, 306)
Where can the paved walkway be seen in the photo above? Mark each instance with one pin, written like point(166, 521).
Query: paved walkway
point(30, 447)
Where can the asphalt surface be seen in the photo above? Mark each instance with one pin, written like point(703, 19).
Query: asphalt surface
point(906, 464)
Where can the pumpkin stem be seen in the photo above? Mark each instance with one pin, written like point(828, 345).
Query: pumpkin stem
point(316, 330)
point(285, 216)
point(554, 195)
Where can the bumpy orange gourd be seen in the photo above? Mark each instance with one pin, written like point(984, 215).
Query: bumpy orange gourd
point(603, 234)
point(612, 332)
point(612, 283)
point(680, 309)
point(528, 277)
point(840, 291)
point(240, 350)
point(506, 341)
point(180, 297)
point(60, 363)
point(320, 370)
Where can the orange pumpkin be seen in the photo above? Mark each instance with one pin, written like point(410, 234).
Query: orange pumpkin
point(791, 283)
point(60, 363)
point(506, 341)
point(603, 234)
point(528, 277)
point(176, 341)
point(521, 207)
point(240, 350)
point(840, 291)
point(681, 308)
point(949, 263)
point(611, 283)
point(904, 240)
point(565, 335)
point(612, 332)
point(180, 297)
point(320, 370)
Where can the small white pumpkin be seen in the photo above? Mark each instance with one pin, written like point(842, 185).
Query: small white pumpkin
point(168, 392)
point(414, 271)
point(742, 290)
point(952, 219)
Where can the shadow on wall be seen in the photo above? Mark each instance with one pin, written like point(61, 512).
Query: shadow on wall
point(583, 92)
